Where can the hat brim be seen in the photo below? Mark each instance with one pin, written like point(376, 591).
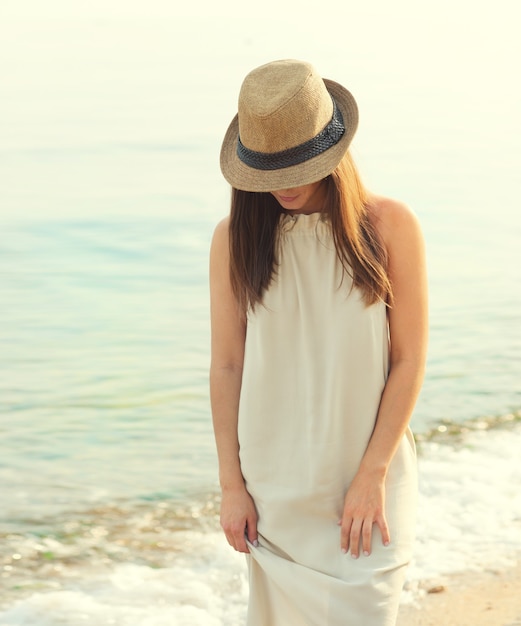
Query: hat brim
point(246, 178)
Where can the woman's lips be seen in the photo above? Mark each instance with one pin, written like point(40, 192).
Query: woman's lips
point(288, 198)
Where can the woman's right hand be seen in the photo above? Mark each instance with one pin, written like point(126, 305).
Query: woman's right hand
point(239, 518)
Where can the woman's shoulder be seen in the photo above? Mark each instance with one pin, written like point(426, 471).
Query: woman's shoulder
point(222, 226)
point(221, 232)
point(392, 219)
point(389, 211)
point(219, 249)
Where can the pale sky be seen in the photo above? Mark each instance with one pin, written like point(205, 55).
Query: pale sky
point(445, 69)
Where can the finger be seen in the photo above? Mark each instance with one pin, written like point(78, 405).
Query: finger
point(367, 534)
point(251, 531)
point(354, 539)
point(345, 531)
point(227, 534)
point(384, 529)
point(235, 536)
point(239, 539)
point(242, 545)
point(231, 540)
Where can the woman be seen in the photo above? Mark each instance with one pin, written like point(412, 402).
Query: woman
point(319, 333)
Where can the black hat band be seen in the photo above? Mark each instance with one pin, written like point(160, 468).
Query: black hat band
point(325, 139)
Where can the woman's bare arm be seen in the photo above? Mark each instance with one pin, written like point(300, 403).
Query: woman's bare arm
point(408, 325)
point(238, 515)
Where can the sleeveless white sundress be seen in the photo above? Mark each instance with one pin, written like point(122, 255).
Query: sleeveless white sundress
point(315, 366)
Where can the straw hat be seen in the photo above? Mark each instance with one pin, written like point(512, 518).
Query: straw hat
point(292, 128)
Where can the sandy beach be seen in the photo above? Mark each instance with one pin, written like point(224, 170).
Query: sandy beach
point(487, 598)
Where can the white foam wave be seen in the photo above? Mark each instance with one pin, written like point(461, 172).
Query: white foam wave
point(469, 518)
point(206, 588)
point(469, 513)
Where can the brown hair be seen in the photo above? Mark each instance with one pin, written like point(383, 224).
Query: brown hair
point(254, 220)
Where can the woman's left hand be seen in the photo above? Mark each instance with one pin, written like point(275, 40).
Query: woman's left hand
point(364, 506)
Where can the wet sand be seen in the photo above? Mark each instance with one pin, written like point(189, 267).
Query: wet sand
point(487, 598)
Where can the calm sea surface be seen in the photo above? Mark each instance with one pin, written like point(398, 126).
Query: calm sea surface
point(110, 193)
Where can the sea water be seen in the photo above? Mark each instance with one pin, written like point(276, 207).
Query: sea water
point(110, 191)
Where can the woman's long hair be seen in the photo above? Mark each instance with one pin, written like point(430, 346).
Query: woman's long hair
point(254, 220)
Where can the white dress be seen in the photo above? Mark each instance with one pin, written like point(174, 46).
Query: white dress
point(315, 365)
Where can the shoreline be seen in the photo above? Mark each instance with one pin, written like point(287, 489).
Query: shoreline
point(475, 598)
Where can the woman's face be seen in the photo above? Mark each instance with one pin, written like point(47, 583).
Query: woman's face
point(305, 199)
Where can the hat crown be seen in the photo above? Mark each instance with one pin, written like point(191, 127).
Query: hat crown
point(282, 105)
